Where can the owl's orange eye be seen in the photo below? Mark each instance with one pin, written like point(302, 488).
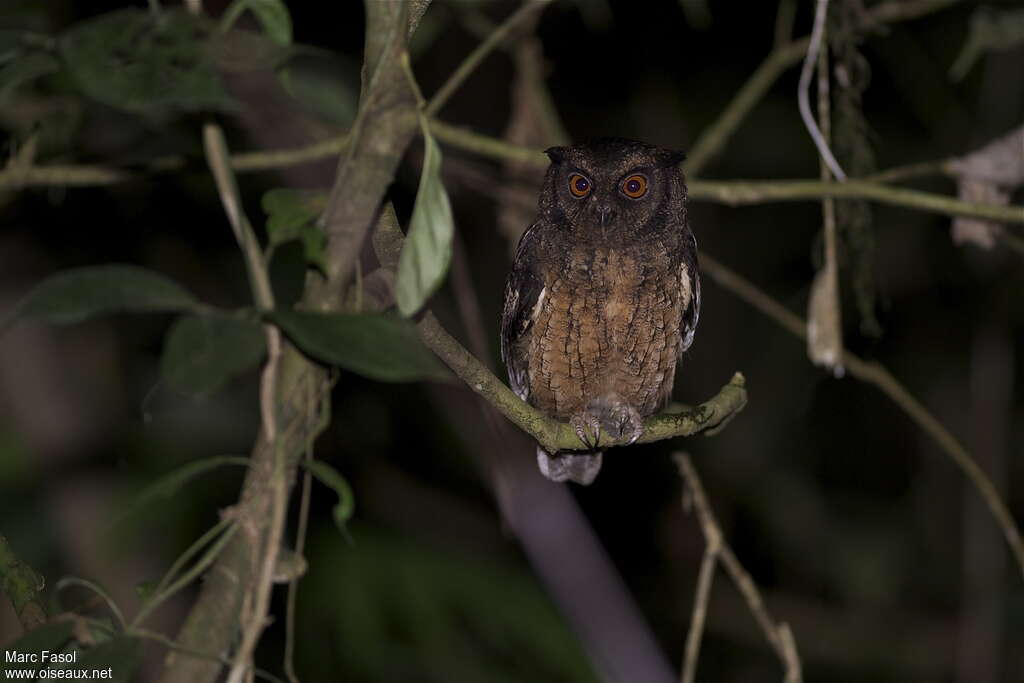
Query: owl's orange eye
point(635, 186)
point(579, 185)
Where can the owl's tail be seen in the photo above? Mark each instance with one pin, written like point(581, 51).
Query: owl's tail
point(580, 468)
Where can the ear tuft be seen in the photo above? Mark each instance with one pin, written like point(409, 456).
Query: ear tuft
point(557, 154)
point(674, 157)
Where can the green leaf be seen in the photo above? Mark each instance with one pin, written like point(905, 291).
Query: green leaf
point(289, 211)
point(144, 62)
point(202, 352)
point(121, 655)
point(314, 246)
point(330, 477)
point(51, 636)
point(78, 294)
point(25, 67)
point(273, 16)
point(374, 345)
point(169, 484)
point(291, 215)
point(427, 251)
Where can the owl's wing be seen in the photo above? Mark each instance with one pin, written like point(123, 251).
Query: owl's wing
point(523, 292)
point(689, 276)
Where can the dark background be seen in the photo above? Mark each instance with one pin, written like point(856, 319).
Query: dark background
point(861, 532)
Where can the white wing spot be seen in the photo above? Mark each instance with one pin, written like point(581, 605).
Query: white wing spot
point(540, 303)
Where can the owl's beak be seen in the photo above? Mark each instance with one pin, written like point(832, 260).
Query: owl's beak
point(604, 214)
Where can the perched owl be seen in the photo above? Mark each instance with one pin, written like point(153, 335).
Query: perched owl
point(603, 296)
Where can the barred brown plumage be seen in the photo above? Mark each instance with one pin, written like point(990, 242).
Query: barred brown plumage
point(603, 296)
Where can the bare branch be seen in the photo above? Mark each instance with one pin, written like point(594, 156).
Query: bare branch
point(700, 610)
point(779, 635)
point(441, 97)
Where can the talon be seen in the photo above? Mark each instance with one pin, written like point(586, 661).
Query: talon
point(623, 421)
point(588, 429)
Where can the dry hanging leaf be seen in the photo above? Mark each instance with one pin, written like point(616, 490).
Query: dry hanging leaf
point(824, 331)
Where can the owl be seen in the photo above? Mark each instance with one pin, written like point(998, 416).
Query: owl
point(603, 296)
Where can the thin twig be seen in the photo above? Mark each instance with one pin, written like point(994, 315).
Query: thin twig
point(714, 137)
point(740, 192)
point(824, 316)
point(265, 580)
point(733, 192)
point(785, 15)
point(177, 647)
point(475, 57)
point(171, 583)
point(909, 171)
point(803, 100)
point(300, 538)
point(875, 373)
point(700, 610)
point(217, 154)
point(715, 539)
point(256, 268)
point(218, 158)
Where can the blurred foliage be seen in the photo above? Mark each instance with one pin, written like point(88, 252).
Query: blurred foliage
point(202, 352)
point(413, 612)
point(151, 63)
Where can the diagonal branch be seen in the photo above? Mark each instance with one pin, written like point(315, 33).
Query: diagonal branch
point(877, 374)
point(458, 77)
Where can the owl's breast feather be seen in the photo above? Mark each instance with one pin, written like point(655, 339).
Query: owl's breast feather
point(608, 322)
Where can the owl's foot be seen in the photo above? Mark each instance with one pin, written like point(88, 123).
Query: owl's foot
point(618, 418)
point(588, 428)
point(624, 422)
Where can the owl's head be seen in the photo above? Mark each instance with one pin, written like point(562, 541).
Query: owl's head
point(613, 187)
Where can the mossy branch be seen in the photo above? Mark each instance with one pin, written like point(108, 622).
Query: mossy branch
point(555, 436)
point(552, 435)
